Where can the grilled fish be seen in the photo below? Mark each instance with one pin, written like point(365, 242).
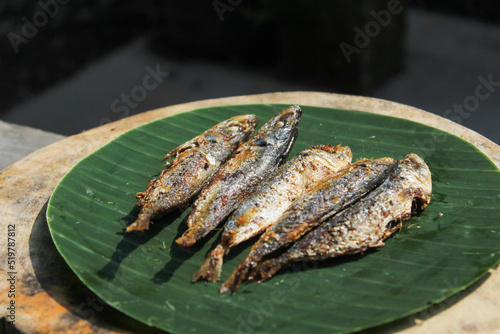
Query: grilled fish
point(195, 163)
point(252, 163)
point(309, 210)
point(366, 223)
point(264, 206)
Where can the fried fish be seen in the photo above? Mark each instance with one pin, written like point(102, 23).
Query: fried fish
point(366, 223)
point(264, 206)
point(196, 161)
point(252, 163)
point(310, 210)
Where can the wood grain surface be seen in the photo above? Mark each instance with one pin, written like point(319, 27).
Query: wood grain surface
point(51, 299)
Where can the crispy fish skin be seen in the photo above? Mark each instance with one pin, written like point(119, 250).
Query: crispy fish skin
point(309, 210)
point(363, 225)
point(195, 163)
point(252, 163)
point(264, 206)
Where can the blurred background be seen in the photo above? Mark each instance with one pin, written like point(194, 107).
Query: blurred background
point(68, 66)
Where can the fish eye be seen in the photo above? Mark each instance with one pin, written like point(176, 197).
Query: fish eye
point(261, 142)
point(281, 123)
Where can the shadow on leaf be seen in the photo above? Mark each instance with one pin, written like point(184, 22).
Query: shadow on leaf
point(133, 240)
point(180, 254)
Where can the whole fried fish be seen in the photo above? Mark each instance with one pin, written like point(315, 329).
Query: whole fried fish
point(264, 206)
point(310, 210)
point(196, 161)
point(252, 163)
point(366, 223)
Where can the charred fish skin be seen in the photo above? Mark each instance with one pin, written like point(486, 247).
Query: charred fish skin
point(306, 170)
point(271, 199)
point(365, 224)
point(330, 197)
point(252, 163)
point(195, 162)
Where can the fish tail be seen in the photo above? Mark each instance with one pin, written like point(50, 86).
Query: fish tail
point(192, 235)
point(265, 270)
point(212, 267)
point(186, 240)
point(142, 222)
point(238, 276)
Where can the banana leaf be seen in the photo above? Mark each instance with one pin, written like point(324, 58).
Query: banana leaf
point(443, 250)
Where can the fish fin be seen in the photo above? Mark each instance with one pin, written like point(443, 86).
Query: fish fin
point(376, 244)
point(212, 267)
point(195, 142)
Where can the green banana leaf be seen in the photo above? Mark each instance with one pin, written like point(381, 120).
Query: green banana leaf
point(147, 276)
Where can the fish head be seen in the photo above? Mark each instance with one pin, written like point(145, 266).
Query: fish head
point(418, 164)
point(238, 127)
point(418, 170)
point(282, 129)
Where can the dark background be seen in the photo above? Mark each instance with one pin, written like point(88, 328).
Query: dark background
point(72, 69)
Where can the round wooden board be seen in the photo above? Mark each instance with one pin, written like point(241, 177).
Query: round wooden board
point(49, 297)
